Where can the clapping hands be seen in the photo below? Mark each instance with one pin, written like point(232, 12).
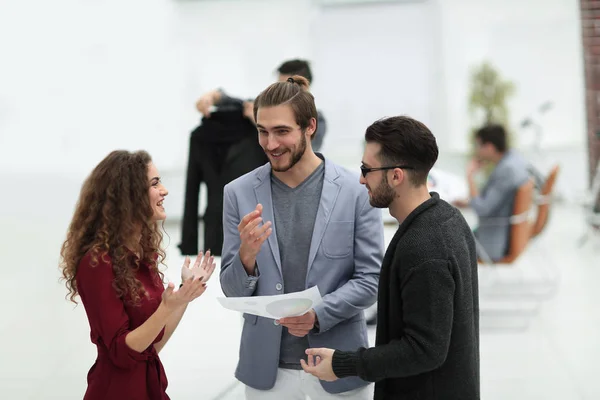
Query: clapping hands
point(203, 267)
point(193, 280)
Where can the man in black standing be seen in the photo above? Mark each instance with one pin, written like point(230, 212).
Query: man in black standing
point(427, 343)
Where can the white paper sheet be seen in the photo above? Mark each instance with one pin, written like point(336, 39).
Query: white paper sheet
point(277, 306)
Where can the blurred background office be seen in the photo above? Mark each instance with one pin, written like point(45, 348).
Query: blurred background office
point(81, 78)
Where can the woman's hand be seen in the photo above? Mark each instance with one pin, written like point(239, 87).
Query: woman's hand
point(190, 290)
point(202, 268)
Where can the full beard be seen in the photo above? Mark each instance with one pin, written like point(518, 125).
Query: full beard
point(383, 196)
point(295, 157)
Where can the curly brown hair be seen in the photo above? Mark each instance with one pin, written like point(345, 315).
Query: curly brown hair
point(113, 205)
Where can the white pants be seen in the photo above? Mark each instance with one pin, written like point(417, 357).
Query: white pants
point(298, 385)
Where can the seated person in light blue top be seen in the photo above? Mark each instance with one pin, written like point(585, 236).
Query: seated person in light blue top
point(494, 204)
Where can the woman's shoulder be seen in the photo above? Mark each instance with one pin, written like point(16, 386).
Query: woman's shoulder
point(94, 264)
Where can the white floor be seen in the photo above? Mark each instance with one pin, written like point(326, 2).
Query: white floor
point(45, 351)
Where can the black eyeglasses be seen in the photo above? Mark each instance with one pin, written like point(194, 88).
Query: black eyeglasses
point(364, 170)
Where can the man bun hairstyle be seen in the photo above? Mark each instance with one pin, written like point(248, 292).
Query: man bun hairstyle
point(293, 92)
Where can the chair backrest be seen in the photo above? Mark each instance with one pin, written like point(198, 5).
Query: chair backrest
point(543, 204)
point(520, 231)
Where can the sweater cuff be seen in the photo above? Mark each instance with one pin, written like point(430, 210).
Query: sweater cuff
point(345, 363)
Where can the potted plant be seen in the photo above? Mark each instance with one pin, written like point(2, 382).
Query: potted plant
point(488, 99)
point(489, 95)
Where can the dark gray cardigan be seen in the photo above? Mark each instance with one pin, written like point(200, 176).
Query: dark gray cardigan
point(427, 344)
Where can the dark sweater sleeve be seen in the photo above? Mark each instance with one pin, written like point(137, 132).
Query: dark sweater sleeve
point(428, 304)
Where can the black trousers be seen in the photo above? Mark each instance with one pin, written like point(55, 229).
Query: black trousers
point(216, 164)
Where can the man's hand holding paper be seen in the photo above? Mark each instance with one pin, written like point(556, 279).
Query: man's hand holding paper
point(300, 326)
point(292, 306)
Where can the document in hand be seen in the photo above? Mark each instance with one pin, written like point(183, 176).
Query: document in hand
point(277, 306)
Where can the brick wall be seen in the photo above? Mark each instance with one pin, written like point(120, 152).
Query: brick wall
point(590, 24)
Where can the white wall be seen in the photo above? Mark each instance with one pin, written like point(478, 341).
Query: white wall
point(80, 78)
point(361, 72)
point(375, 61)
point(534, 43)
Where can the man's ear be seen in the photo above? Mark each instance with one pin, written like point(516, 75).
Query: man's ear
point(398, 176)
point(312, 127)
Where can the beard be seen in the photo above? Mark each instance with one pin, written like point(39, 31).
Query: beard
point(295, 157)
point(383, 196)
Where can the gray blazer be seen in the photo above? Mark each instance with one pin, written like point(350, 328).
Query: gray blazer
point(495, 203)
point(344, 262)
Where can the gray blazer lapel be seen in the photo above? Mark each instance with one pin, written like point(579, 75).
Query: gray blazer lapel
point(329, 195)
point(263, 196)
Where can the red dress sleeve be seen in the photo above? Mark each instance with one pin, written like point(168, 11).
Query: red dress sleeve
point(106, 312)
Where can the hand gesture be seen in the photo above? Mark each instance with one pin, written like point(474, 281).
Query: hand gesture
point(473, 167)
point(207, 101)
point(252, 236)
point(320, 364)
point(249, 111)
point(202, 268)
point(191, 290)
point(300, 326)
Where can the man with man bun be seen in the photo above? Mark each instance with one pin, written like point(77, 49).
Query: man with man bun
point(299, 221)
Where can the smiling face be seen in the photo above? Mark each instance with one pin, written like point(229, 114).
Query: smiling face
point(157, 193)
point(281, 137)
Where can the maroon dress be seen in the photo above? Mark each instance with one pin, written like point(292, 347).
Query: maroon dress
point(120, 372)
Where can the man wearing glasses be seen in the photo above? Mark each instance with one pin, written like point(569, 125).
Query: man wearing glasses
point(427, 343)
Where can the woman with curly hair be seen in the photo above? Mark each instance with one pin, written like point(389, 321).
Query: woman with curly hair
point(110, 259)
